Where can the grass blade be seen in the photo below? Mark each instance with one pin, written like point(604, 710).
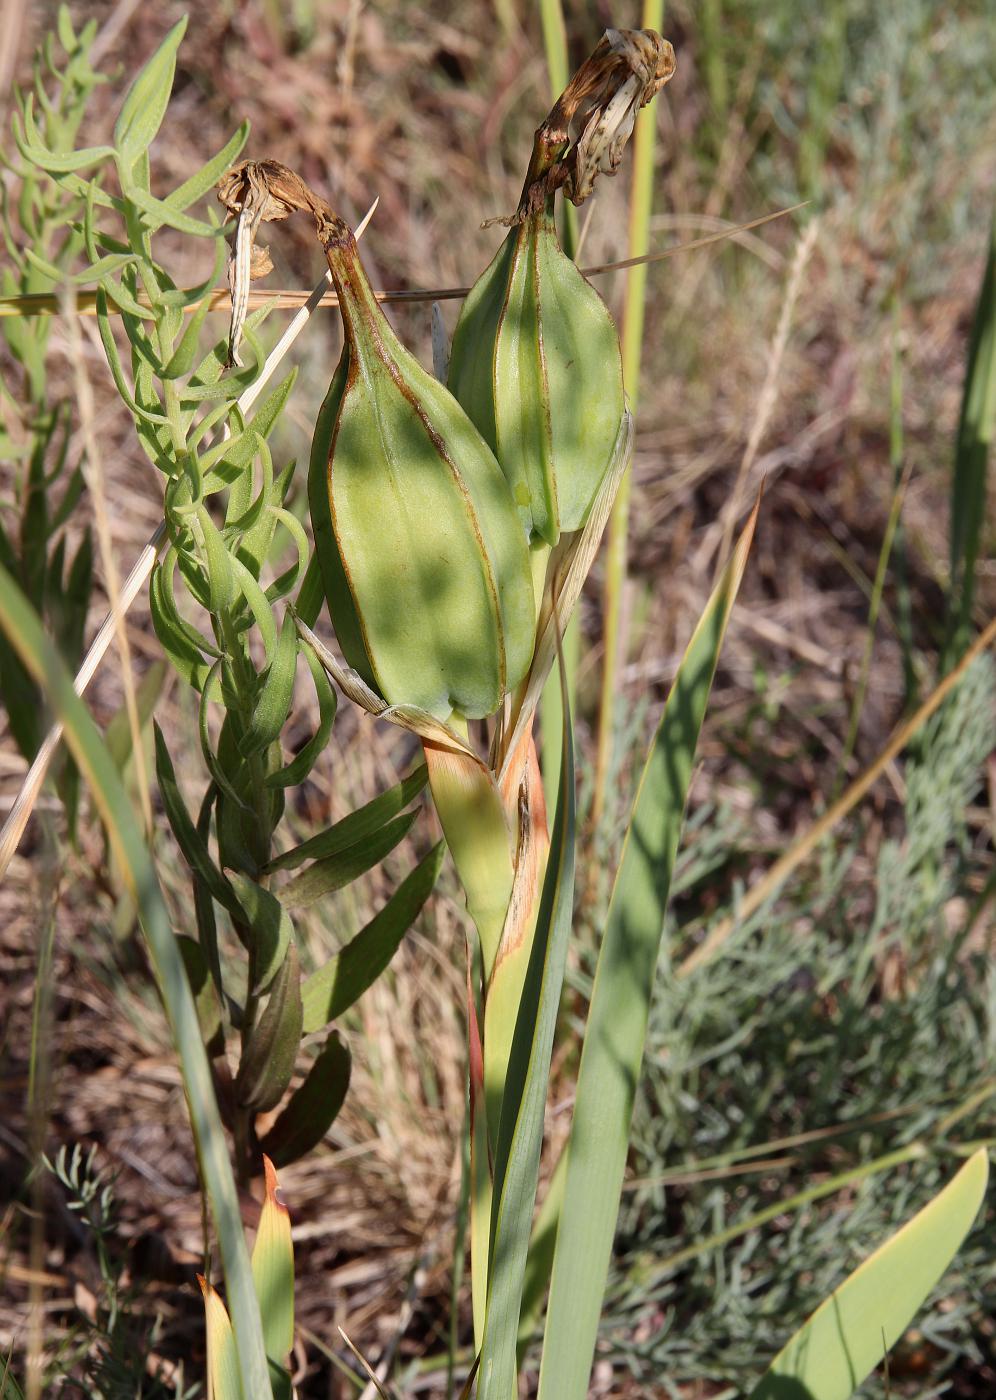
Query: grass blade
point(334, 988)
point(976, 430)
point(843, 1341)
point(617, 1020)
point(641, 202)
point(520, 1129)
point(23, 629)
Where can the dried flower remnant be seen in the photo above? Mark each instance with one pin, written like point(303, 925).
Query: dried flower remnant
point(256, 192)
point(590, 123)
point(423, 557)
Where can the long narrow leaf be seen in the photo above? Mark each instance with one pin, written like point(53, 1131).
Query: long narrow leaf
point(617, 1020)
point(145, 104)
point(846, 1336)
point(21, 625)
point(356, 826)
point(976, 431)
point(313, 1106)
point(335, 987)
point(520, 1129)
point(334, 872)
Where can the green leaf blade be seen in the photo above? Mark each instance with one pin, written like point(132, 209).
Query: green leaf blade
point(846, 1336)
point(617, 1020)
point(145, 104)
point(313, 1107)
point(268, 1062)
point(335, 872)
point(335, 987)
point(357, 826)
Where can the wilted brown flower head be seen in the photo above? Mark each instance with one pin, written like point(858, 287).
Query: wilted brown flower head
point(589, 125)
point(627, 69)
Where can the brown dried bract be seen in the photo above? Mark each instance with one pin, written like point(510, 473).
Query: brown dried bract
point(264, 189)
point(256, 192)
point(628, 68)
point(589, 125)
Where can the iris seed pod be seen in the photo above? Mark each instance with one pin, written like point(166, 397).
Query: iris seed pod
point(536, 359)
point(424, 559)
point(536, 365)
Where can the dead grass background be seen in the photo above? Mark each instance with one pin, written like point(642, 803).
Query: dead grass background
point(433, 115)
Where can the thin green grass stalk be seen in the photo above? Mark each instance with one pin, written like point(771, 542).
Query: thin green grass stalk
point(878, 587)
point(551, 704)
point(825, 81)
point(39, 1083)
point(555, 43)
point(25, 633)
point(714, 63)
point(976, 430)
point(897, 452)
point(632, 348)
point(507, 18)
point(558, 67)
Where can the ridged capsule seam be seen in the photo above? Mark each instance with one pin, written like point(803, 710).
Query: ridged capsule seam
point(545, 379)
point(519, 251)
point(351, 376)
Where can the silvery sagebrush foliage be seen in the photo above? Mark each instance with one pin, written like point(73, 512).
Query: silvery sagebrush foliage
point(790, 1033)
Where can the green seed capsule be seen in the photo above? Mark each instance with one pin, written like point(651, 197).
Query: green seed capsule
point(536, 359)
point(424, 558)
point(536, 364)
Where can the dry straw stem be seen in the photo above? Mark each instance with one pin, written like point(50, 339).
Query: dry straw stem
point(285, 298)
point(769, 392)
point(774, 878)
point(94, 469)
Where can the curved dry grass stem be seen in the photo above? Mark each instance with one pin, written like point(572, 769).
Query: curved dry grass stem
point(769, 391)
point(47, 304)
point(775, 877)
point(94, 475)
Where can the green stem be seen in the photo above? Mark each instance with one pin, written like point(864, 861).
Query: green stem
point(555, 46)
point(632, 347)
point(551, 715)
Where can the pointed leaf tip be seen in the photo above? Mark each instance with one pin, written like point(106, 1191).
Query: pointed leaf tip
point(273, 1269)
